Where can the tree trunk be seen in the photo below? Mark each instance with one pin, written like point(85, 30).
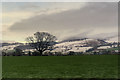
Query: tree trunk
point(40, 52)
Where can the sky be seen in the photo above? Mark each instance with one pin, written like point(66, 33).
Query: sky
point(65, 20)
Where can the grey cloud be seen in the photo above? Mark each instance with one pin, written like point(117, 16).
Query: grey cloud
point(94, 16)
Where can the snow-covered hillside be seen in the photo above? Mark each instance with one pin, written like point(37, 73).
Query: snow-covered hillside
point(76, 46)
point(9, 46)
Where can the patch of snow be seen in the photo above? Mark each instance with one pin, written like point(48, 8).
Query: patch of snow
point(104, 47)
point(10, 47)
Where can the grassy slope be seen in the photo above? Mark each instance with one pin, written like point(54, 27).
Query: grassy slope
point(95, 66)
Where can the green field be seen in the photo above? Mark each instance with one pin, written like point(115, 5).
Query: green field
point(87, 66)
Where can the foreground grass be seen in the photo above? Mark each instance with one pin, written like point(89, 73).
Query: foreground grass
point(87, 66)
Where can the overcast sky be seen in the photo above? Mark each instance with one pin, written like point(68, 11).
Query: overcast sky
point(64, 20)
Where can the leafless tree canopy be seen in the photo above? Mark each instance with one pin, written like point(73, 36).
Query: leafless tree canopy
point(41, 41)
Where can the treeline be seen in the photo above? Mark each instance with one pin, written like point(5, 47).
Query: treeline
point(18, 52)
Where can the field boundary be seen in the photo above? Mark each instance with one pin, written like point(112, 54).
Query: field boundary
point(60, 79)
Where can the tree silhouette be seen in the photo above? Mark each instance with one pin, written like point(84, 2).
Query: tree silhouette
point(18, 52)
point(41, 41)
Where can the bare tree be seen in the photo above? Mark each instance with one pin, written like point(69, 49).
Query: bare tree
point(41, 41)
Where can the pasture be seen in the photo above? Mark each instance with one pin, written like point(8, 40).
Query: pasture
point(85, 66)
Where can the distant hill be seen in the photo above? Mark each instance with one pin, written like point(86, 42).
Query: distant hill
point(76, 45)
point(8, 44)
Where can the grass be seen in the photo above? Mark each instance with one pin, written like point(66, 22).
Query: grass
point(87, 66)
point(113, 49)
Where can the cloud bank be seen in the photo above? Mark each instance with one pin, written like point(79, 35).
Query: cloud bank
point(88, 21)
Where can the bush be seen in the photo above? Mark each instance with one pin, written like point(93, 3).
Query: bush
point(36, 53)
